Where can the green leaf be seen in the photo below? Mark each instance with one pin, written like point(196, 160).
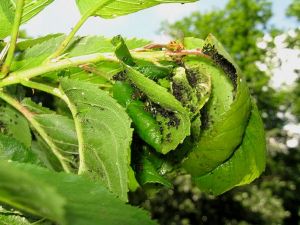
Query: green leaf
point(6, 17)
point(117, 8)
point(35, 108)
point(104, 135)
point(148, 167)
point(85, 201)
point(36, 51)
point(28, 43)
point(225, 116)
point(35, 55)
point(59, 129)
point(21, 190)
point(13, 220)
point(100, 73)
point(7, 12)
point(174, 119)
point(168, 124)
point(13, 124)
point(144, 122)
point(191, 86)
point(33, 7)
point(11, 149)
point(45, 154)
point(89, 45)
point(246, 164)
point(99, 44)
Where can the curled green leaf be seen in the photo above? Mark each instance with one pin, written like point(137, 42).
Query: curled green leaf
point(169, 123)
point(245, 165)
point(226, 114)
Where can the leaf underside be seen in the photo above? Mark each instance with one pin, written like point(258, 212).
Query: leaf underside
point(7, 12)
point(117, 8)
point(105, 135)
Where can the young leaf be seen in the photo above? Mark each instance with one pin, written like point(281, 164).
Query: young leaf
point(174, 119)
point(117, 8)
point(85, 201)
point(246, 164)
point(14, 124)
point(191, 87)
point(169, 123)
point(148, 167)
point(104, 135)
point(225, 116)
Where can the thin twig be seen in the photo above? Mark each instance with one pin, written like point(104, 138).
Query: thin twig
point(79, 24)
point(14, 37)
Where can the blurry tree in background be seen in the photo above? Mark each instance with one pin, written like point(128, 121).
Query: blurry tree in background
point(273, 198)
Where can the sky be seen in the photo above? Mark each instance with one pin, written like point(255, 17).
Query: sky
point(62, 15)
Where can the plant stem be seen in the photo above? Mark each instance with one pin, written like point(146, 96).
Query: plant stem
point(14, 37)
point(43, 87)
point(20, 76)
point(17, 77)
point(83, 19)
point(30, 117)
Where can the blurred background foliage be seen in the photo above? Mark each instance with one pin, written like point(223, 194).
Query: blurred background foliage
point(245, 29)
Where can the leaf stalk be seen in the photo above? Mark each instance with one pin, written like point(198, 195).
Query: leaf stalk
point(79, 24)
point(14, 36)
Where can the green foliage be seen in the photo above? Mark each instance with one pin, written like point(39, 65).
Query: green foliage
point(273, 199)
point(223, 108)
point(7, 18)
point(118, 115)
point(11, 149)
point(115, 8)
point(13, 124)
point(64, 198)
point(246, 23)
point(294, 9)
point(246, 164)
point(104, 145)
point(28, 193)
point(7, 11)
